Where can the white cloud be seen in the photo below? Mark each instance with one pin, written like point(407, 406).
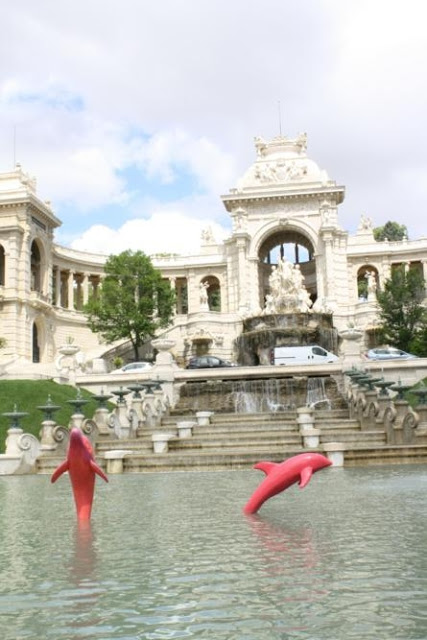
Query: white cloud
point(166, 153)
point(163, 232)
point(173, 93)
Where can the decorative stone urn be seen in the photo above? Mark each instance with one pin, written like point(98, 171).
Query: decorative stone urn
point(163, 346)
point(350, 345)
point(351, 333)
point(68, 349)
point(66, 362)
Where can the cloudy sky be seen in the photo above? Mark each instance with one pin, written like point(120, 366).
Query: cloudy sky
point(135, 115)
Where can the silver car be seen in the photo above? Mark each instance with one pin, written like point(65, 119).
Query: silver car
point(388, 353)
point(134, 367)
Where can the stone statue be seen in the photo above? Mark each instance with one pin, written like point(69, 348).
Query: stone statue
point(287, 291)
point(372, 283)
point(203, 293)
point(365, 223)
point(207, 236)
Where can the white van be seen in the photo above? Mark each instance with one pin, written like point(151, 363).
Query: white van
point(312, 354)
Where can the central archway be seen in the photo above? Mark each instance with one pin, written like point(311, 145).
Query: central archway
point(297, 249)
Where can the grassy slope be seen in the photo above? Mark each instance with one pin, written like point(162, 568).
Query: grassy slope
point(27, 395)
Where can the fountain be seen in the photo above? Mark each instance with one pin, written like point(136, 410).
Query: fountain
point(288, 319)
point(259, 395)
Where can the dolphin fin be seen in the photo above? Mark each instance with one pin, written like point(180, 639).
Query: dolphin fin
point(98, 470)
point(265, 466)
point(305, 476)
point(59, 471)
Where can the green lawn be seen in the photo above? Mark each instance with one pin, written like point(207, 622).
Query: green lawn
point(27, 395)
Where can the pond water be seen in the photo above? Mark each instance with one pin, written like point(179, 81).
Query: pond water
point(173, 556)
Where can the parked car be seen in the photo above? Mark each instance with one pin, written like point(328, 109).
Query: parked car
point(388, 353)
point(312, 354)
point(134, 367)
point(204, 362)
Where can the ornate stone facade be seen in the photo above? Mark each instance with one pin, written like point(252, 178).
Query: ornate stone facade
point(284, 206)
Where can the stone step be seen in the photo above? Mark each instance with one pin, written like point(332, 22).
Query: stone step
point(131, 445)
point(254, 418)
point(47, 464)
point(231, 434)
point(337, 423)
point(221, 445)
point(233, 430)
point(362, 438)
point(386, 454)
point(205, 461)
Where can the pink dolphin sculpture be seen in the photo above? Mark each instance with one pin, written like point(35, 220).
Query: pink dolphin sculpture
point(282, 475)
point(81, 468)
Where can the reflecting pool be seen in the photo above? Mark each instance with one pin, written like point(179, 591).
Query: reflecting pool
point(172, 556)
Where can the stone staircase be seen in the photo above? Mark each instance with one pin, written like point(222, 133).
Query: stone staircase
point(238, 441)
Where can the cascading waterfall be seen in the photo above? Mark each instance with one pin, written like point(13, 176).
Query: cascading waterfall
point(263, 395)
point(316, 393)
point(259, 395)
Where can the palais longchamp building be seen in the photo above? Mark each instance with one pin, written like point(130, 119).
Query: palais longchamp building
point(283, 211)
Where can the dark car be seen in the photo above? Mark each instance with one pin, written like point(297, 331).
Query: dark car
point(388, 353)
point(205, 362)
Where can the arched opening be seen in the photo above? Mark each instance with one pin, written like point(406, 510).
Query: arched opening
point(214, 293)
point(297, 249)
point(36, 344)
point(367, 282)
point(181, 292)
point(210, 293)
point(36, 277)
point(2, 266)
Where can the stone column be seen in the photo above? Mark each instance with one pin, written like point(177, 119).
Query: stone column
point(58, 287)
point(85, 288)
point(70, 285)
point(329, 279)
point(255, 302)
point(243, 289)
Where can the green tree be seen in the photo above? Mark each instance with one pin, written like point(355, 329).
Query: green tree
point(402, 314)
point(391, 231)
point(133, 302)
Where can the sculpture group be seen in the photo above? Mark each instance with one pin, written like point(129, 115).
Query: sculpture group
point(287, 290)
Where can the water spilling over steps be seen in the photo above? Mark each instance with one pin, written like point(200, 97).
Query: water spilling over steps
point(260, 395)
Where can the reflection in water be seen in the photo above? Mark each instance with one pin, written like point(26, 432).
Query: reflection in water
point(290, 558)
point(84, 590)
point(83, 560)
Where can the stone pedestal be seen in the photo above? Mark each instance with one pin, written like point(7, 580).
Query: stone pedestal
point(115, 460)
point(77, 420)
point(22, 450)
point(101, 417)
point(204, 418)
point(161, 442)
point(350, 345)
point(402, 408)
point(48, 442)
point(305, 418)
point(122, 425)
point(335, 453)
point(310, 437)
point(185, 429)
point(12, 441)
